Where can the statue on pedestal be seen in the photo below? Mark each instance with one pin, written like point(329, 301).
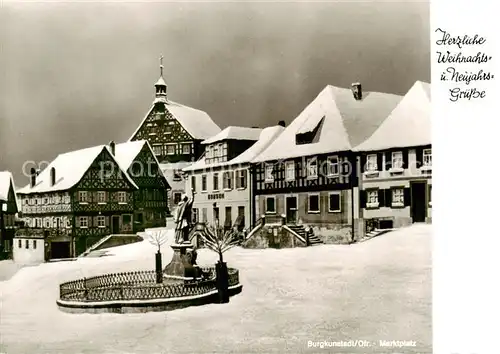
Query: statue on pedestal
point(183, 218)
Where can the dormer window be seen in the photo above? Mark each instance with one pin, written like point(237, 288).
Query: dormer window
point(309, 131)
point(269, 177)
point(170, 149)
point(312, 168)
point(186, 149)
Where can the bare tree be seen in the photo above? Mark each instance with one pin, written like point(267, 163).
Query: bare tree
point(219, 240)
point(157, 237)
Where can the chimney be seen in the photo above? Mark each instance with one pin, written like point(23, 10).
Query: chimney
point(112, 147)
point(33, 177)
point(52, 176)
point(282, 123)
point(357, 91)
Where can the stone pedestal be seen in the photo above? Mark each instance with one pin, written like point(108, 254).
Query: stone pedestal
point(177, 266)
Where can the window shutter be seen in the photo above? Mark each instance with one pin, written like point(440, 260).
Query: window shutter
point(106, 220)
point(94, 222)
point(420, 156)
point(388, 198)
point(306, 204)
point(405, 158)
point(407, 196)
point(379, 162)
point(388, 160)
point(77, 221)
point(231, 176)
point(362, 198)
point(381, 197)
point(363, 162)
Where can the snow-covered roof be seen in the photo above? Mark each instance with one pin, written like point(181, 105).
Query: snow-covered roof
point(70, 167)
point(196, 122)
point(235, 133)
point(161, 82)
point(341, 122)
point(266, 137)
point(6, 180)
point(409, 124)
point(125, 153)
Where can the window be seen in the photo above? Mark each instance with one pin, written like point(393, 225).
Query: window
point(27, 244)
point(177, 197)
point(170, 149)
point(19, 244)
point(333, 166)
point(186, 149)
point(313, 205)
point(371, 163)
point(83, 197)
point(269, 173)
point(241, 179)
point(216, 215)
point(84, 221)
point(290, 170)
point(334, 202)
point(47, 223)
point(57, 222)
point(204, 183)
point(397, 159)
point(228, 223)
point(45, 200)
point(216, 182)
point(427, 157)
point(312, 168)
point(101, 197)
point(122, 197)
point(204, 215)
point(372, 199)
point(398, 197)
point(216, 151)
point(270, 205)
point(101, 221)
point(193, 183)
point(157, 149)
point(34, 244)
point(177, 175)
point(227, 180)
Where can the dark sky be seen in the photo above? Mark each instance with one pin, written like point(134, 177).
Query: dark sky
point(78, 75)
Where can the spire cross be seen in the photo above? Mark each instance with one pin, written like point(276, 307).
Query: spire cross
point(161, 65)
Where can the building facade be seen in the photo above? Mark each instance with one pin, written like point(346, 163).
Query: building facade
point(309, 174)
point(221, 179)
point(175, 133)
point(81, 197)
point(396, 182)
point(150, 200)
point(8, 211)
point(31, 249)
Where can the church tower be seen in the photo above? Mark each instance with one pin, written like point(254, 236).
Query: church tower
point(161, 86)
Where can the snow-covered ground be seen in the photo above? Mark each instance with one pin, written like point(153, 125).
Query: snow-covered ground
point(376, 290)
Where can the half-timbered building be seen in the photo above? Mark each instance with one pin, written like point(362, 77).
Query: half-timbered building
point(309, 173)
point(151, 199)
point(174, 131)
point(79, 198)
point(221, 177)
point(8, 211)
point(397, 165)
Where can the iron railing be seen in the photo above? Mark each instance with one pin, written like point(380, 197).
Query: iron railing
point(140, 285)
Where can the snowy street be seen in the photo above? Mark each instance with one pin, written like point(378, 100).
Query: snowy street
point(375, 290)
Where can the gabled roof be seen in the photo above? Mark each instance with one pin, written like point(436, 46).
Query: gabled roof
point(340, 120)
point(6, 181)
point(266, 137)
point(196, 122)
point(235, 133)
point(125, 153)
point(70, 167)
point(409, 124)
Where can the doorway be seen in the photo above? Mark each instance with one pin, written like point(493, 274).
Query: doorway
point(59, 250)
point(115, 225)
point(418, 201)
point(291, 209)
